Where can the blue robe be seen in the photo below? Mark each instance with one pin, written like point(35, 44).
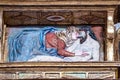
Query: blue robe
point(27, 43)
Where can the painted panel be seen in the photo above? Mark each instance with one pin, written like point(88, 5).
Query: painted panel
point(51, 43)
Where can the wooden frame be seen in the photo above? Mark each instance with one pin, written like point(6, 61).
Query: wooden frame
point(109, 30)
point(15, 70)
point(61, 66)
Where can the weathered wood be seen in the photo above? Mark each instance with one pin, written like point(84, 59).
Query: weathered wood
point(40, 17)
point(13, 69)
point(31, 70)
point(59, 64)
point(1, 24)
point(58, 2)
point(58, 8)
point(110, 36)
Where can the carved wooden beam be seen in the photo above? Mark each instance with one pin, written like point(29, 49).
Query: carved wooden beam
point(60, 64)
point(59, 2)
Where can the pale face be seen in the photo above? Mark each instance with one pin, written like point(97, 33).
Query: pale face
point(75, 35)
point(82, 36)
point(72, 33)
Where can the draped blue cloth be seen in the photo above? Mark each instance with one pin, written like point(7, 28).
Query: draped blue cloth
point(117, 26)
point(28, 43)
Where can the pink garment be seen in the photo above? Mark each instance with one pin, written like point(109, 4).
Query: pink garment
point(98, 32)
point(52, 41)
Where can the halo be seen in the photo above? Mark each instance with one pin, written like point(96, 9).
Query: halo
point(55, 18)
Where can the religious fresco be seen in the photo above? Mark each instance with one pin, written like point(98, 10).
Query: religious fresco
point(51, 43)
point(117, 40)
point(99, 33)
